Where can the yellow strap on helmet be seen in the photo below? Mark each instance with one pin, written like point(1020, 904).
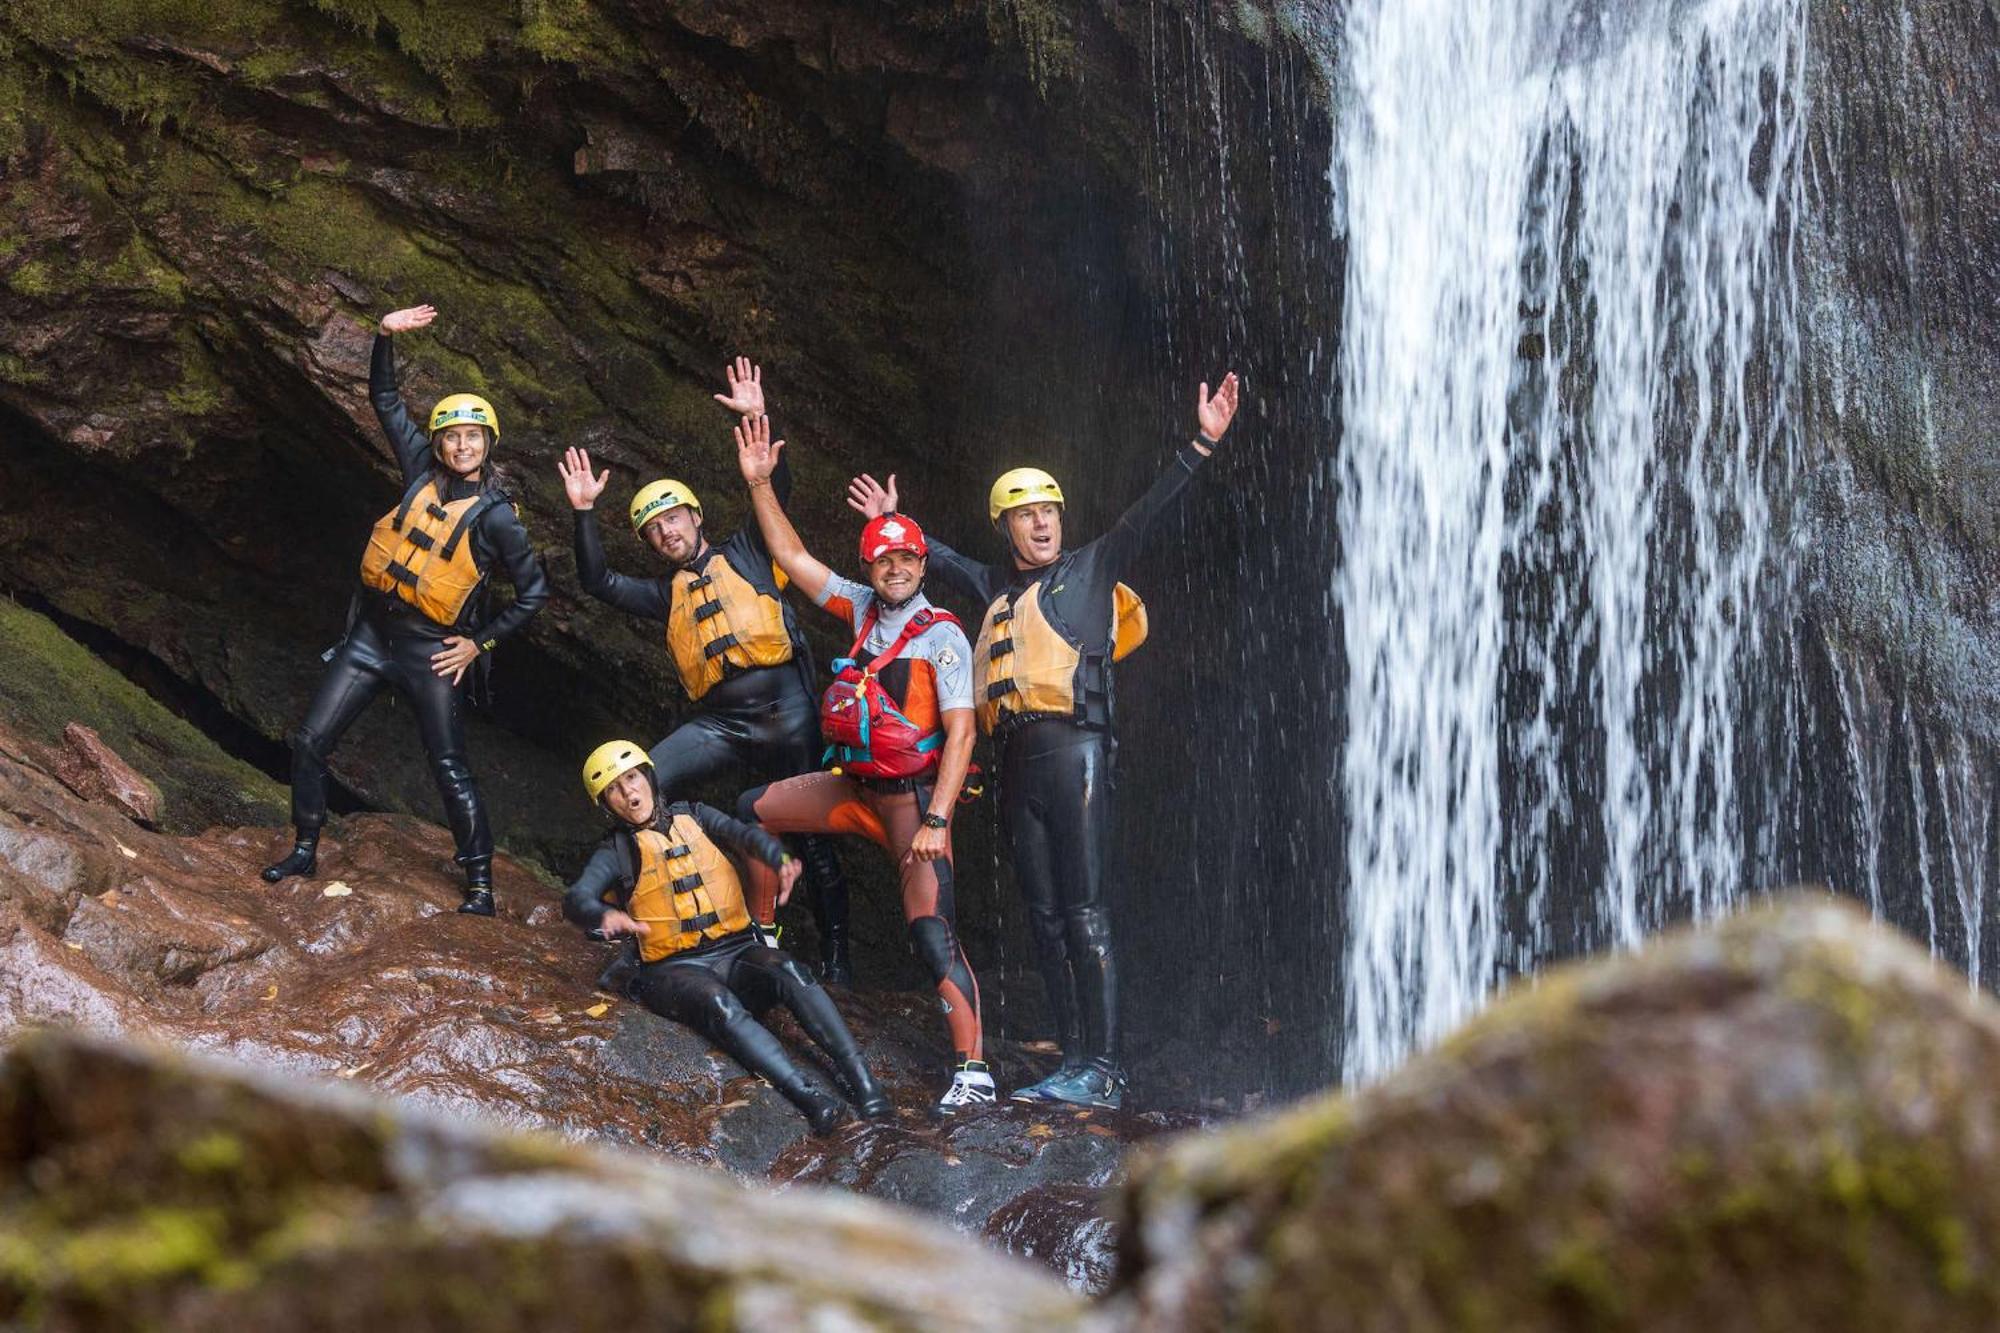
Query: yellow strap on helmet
point(465, 409)
point(656, 498)
point(610, 762)
point(1021, 486)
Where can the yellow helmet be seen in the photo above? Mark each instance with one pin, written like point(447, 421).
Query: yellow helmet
point(657, 498)
point(465, 409)
point(1022, 486)
point(610, 762)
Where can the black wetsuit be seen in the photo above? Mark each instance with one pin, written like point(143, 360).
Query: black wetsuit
point(389, 643)
point(763, 721)
point(1055, 772)
point(713, 988)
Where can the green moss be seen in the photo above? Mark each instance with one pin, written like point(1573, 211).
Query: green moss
point(51, 681)
point(1045, 32)
point(215, 1153)
point(31, 279)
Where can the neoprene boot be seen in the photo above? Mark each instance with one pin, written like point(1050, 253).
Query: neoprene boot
point(834, 967)
point(823, 1111)
point(302, 859)
point(815, 1010)
point(478, 887)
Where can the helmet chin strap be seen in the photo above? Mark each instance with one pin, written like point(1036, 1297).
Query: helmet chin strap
point(893, 607)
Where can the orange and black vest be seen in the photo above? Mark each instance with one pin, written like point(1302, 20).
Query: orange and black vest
point(1029, 664)
point(420, 552)
point(721, 622)
point(686, 890)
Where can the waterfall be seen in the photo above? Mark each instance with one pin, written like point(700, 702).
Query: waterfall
point(1568, 360)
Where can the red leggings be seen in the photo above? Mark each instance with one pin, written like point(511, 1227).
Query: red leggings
point(833, 803)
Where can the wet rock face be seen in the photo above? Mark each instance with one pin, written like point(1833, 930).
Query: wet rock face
point(958, 236)
point(367, 974)
point(1785, 1122)
point(142, 1189)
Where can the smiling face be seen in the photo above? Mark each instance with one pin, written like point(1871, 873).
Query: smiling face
point(896, 575)
point(1035, 531)
point(630, 797)
point(676, 534)
point(462, 449)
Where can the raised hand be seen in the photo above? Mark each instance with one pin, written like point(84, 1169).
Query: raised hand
point(746, 388)
point(1216, 413)
point(402, 321)
point(458, 654)
point(582, 488)
point(788, 875)
point(870, 498)
point(756, 451)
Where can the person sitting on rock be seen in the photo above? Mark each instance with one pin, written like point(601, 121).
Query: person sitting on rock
point(899, 720)
point(419, 621)
point(662, 876)
point(735, 646)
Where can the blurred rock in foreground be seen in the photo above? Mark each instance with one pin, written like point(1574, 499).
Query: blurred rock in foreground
point(1790, 1120)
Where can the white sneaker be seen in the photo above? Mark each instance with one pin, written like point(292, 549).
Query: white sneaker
point(971, 1085)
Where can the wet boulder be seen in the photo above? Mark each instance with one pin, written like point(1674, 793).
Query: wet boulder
point(1790, 1120)
point(150, 1190)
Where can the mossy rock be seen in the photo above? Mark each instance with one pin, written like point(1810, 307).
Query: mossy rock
point(1785, 1121)
point(51, 680)
point(143, 1190)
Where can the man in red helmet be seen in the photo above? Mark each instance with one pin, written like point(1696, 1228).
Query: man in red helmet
point(899, 720)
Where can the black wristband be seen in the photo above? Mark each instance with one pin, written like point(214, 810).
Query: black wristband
point(935, 821)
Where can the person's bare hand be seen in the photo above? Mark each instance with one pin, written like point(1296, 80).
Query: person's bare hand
point(788, 876)
point(582, 488)
point(929, 844)
point(616, 923)
point(402, 321)
point(756, 451)
point(870, 498)
point(746, 388)
point(458, 654)
point(1217, 412)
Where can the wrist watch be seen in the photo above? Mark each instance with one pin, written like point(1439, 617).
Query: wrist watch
point(936, 821)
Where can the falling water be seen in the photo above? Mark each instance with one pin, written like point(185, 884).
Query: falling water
point(1568, 359)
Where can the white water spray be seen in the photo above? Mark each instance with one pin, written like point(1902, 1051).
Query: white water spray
point(1569, 347)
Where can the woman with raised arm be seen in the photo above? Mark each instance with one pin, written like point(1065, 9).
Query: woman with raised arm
point(419, 619)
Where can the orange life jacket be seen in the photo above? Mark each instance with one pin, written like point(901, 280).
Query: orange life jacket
point(721, 622)
point(686, 891)
point(419, 552)
point(1028, 665)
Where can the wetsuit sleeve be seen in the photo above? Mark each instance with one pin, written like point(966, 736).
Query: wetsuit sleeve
point(508, 542)
point(951, 659)
point(745, 839)
point(584, 902)
point(847, 599)
point(413, 450)
point(1116, 548)
point(968, 578)
point(635, 597)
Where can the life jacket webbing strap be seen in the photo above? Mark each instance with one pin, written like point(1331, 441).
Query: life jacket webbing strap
point(695, 925)
point(416, 488)
point(687, 883)
point(674, 853)
point(707, 609)
point(470, 516)
point(717, 647)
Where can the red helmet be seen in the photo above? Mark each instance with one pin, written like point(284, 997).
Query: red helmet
point(892, 532)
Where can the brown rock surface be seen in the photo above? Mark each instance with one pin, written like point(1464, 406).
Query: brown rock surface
point(94, 771)
point(139, 1189)
point(366, 973)
point(1788, 1121)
